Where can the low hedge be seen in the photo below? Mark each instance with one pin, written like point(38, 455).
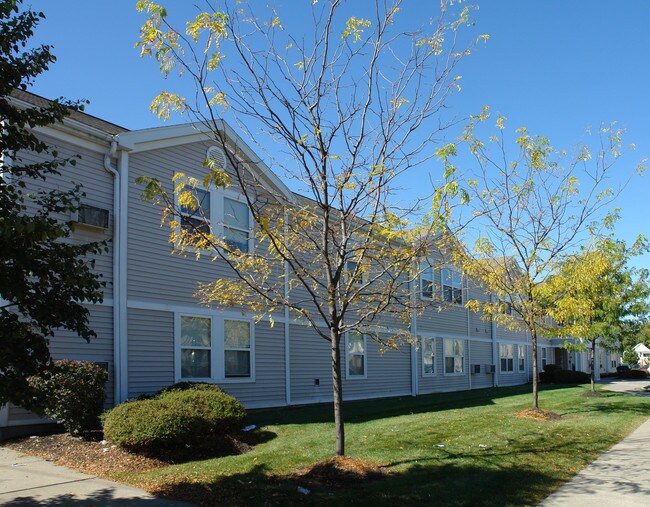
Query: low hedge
point(553, 374)
point(634, 374)
point(175, 416)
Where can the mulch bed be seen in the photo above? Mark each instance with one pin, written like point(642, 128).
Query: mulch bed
point(341, 470)
point(539, 415)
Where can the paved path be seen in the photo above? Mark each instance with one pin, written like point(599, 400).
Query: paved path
point(621, 476)
point(29, 481)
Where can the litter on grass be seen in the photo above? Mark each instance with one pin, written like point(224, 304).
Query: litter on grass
point(250, 427)
point(303, 491)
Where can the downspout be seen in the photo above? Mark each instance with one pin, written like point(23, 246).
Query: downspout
point(469, 348)
point(122, 252)
point(493, 326)
point(108, 167)
point(287, 328)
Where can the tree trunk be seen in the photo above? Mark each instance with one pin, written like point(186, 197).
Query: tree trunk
point(337, 385)
point(593, 366)
point(533, 339)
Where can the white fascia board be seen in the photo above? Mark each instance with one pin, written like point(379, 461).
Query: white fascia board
point(173, 135)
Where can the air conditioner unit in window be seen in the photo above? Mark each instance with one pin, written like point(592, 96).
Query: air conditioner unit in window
point(91, 216)
point(476, 368)
point(490, 368)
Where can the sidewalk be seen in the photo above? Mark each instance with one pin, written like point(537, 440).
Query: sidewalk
point(621, 476)
point(29, 481)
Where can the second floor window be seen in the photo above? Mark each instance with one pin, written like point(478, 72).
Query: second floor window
point(452, 285)
point(236, 224)
point(426, 283)
point(196, 217)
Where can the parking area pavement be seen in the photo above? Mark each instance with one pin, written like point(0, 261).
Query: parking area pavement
point(618, 477)
point(30, 481)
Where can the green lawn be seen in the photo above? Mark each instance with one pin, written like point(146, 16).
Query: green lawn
point(448, 449)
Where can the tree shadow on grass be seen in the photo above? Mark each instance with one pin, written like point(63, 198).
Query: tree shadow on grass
point(368, 410)
point(420, 484)
point(105, 496)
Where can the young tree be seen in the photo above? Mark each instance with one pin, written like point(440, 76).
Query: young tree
point(528, 214)
point(43, 280)
point(597, 297)
point(353, 103)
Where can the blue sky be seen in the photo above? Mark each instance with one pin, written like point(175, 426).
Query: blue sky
point(556, 67)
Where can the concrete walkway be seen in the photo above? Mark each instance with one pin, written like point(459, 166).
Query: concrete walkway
point(26, 480)
point(621, 476)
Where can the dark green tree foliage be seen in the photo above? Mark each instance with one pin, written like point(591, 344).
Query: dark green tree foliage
point(43, 278)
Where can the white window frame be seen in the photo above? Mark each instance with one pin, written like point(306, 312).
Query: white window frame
point(216, 222)
point(444, 354)
point(431, 278)
point(509, 348)
point(544, 357)
point(349, 375)
point(453, 270)
point(217, 356)
point(434, 342)
point(248, 349)
point(521, 355)
point(195, 215)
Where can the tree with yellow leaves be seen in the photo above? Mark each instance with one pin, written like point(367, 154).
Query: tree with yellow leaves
point(353, 103)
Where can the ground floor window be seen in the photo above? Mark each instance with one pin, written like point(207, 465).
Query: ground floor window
point(356, 351)
point(454, 356)
point(214, 348)
point(544, 357)
point(507, 359)
point(428, 356)
point(521, 358)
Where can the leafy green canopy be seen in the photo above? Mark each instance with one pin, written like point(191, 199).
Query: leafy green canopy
point(43, 280)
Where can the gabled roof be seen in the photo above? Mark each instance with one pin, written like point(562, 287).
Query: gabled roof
point(173, 135)
point(640, 347)
point(32, 99)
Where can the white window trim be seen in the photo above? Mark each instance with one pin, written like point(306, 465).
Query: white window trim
point(217, 214)
point(435, 342)
point(501, 358)
point(217, 356)
point(348, 376)
point(428, 267)
point(520, 348)
point(463, 295)
point(444, 358)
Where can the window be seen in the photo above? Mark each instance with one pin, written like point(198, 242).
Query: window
point(214, 348)
point(357, 278)
point(196, 347)
point(614, 360)
point(219, 212)
point(521, 358)
point(506, 307)
point(452, 285)
point(428, 356)
point(356, 349)
point(237, 348)
point(544, 357)
point(454, 356)
point(236, 224)
point(426, 283)
point(196, 218)
point(507, 359)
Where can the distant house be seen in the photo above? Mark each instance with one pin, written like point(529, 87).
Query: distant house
point(151, 331)
point(644, 354)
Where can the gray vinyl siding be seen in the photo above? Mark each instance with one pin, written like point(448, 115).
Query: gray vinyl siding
point(310, 361)
point(151, 360)
point(150, 351)
point(98, 187)
point(481, 354)
point(67, 345)
point(268, 390)
point(154, 274)
point(441, 382)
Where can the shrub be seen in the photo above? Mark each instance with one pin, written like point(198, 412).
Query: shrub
point(175, 416)
point(635, 374)
point(553, 374)
point(72, 393)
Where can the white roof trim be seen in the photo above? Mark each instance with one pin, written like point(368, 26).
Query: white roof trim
point(172, 135)
point(640, 347)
